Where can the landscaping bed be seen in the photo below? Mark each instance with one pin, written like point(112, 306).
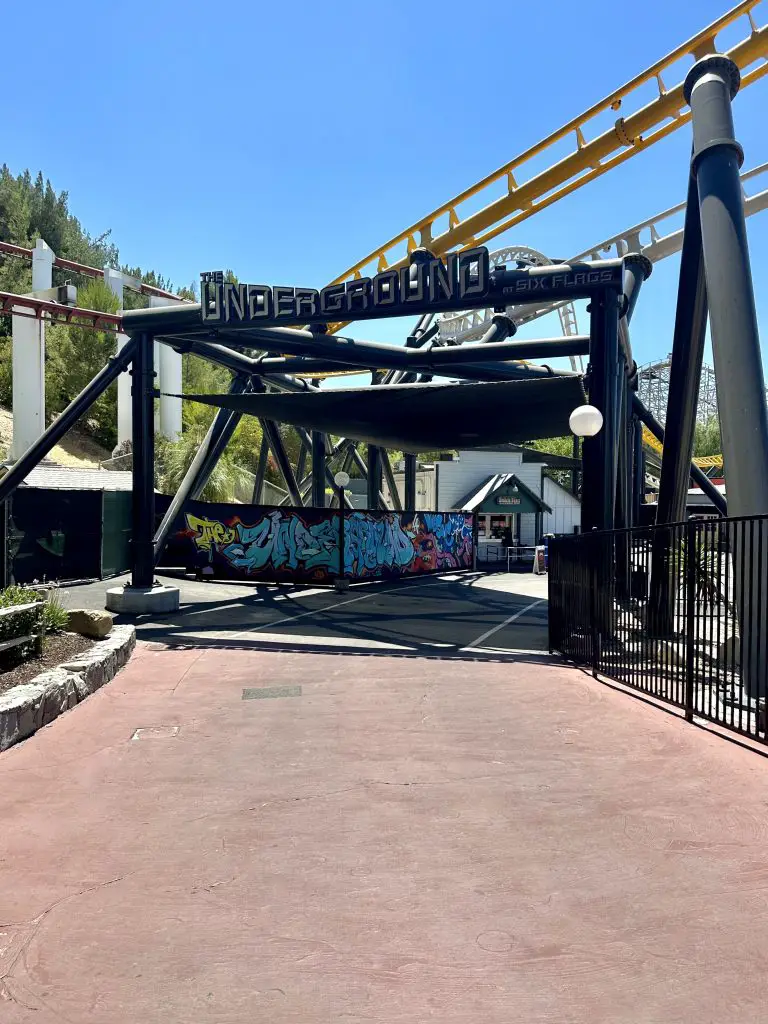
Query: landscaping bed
point(59, 647)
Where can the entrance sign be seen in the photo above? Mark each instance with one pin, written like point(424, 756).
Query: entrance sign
point(507, 499)
point(464, 280)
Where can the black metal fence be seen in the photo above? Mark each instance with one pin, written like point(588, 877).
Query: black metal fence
point(678, 612)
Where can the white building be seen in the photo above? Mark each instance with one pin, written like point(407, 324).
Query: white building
point(483, 480)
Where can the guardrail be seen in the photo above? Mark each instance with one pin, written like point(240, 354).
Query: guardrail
point(677, 612)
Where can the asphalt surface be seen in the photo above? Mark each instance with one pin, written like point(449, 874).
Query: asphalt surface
point(467, 615)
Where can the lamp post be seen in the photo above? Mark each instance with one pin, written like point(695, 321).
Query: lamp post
point(341, 479)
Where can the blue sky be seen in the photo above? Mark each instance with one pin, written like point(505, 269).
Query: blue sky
point(287, 141)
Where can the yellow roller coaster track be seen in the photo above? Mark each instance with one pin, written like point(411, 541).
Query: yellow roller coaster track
point(703, 462)
point(448, 228)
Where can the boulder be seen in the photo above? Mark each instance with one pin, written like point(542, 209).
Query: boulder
point(86, 622)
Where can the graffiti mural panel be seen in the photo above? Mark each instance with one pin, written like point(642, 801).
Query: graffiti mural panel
point(302, 545)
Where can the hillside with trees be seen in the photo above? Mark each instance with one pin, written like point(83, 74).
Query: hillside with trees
point(30, 208)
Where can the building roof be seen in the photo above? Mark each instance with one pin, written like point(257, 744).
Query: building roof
point(492, 486)
point(71, 479)
point(532, 455)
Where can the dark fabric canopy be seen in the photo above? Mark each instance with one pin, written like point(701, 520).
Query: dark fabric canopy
point(422, 417)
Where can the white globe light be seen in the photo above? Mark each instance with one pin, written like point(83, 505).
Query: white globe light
point(585, 421)
point(341, 479)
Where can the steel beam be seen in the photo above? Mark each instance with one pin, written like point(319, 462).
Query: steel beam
point(697, 475)
point(143, 443)
point(710, 86)
point(272, 433)
point(410, 482)
point(389, 476)
point(219, 433)
point(599, 462)
point(261, 469)
point(318, 469)
point(79, 405)
point(374, 477)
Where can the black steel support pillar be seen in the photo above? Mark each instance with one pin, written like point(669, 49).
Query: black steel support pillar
point(301, 462)
point(272, 434)
point(201, 467)
point(374, 477)
point(143, 507)
point(389, 476)
point(410, 482)
point(576, 454)
point(598, 459)
point(679, 429)
point(638, 470)
point(318, 469)
point(261, 469)
point(685, 370)
point(709, 87)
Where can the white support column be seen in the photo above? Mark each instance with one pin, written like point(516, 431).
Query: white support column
point(115, 281)
point(168, 363)
point(28, 360)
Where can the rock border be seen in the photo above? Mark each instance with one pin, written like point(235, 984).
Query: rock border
point(26, 708)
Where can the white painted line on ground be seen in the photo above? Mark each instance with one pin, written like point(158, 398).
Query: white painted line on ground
point(329, 608)
point(501, 625)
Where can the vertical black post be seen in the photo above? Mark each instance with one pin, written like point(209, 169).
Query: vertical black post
point(690, 614)
point(575, 452)
point(389, 476)
point(342, 567)
point(318, 469)
point(374, 477)
point(684, 378)
point(5, 517)
point(410, 482)
point(261, 469)
point(599, 466)
point(143, 507)
point(638, 466)
point(709, 87)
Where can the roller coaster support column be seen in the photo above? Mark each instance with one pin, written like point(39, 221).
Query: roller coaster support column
point(709, 87)
point(219, 433)
point(374, 477)
point(638, 466)
point(272, 434)
point(410, 482)
point(598, 459)
point(684, 378)
point(318, 469)
point(261, 469)
point(143, 594)
point(389, 476)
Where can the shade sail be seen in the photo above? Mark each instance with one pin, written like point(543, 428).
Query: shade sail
point(422, 417)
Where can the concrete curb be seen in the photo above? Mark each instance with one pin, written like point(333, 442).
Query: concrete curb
point(27, 708)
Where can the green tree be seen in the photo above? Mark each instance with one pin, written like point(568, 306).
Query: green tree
point(706, 439)
point(74, 355)
point(175, 457)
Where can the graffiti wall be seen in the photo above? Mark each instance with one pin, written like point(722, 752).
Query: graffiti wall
point(302, 545)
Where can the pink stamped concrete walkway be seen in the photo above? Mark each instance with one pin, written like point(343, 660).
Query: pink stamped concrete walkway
point(407, 840)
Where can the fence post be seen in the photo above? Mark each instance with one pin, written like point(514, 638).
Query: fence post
point(690, 615)
point(593, 585)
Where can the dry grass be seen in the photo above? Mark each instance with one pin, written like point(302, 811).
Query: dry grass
point(76, 450)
